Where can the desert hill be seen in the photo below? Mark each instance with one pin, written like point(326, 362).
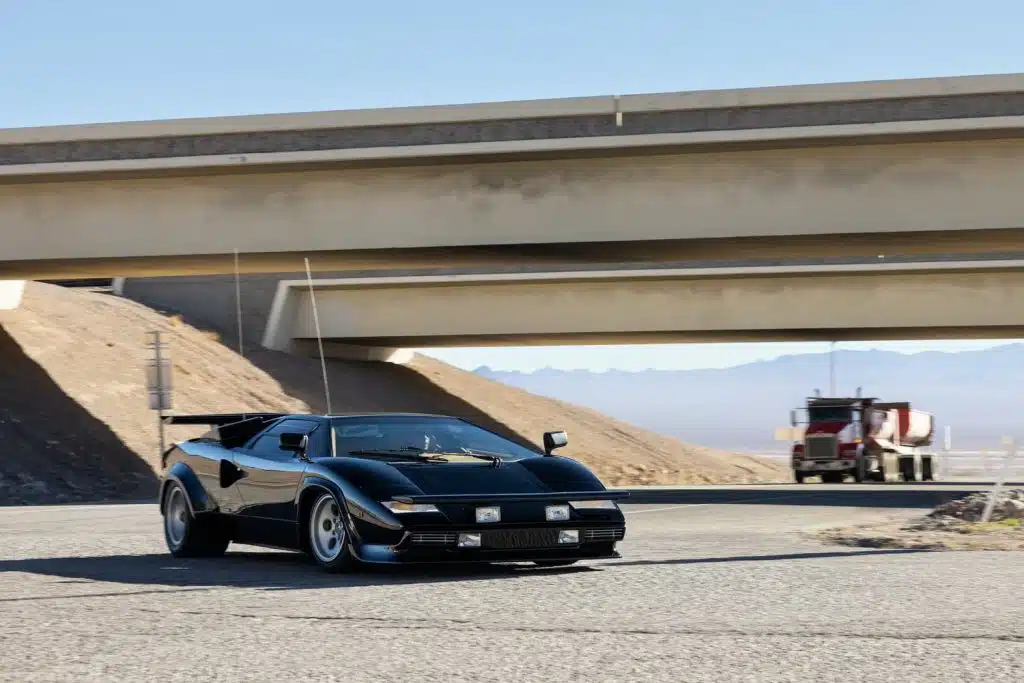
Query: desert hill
point(75, 425)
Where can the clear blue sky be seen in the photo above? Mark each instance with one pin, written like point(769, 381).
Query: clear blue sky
point(78, 62)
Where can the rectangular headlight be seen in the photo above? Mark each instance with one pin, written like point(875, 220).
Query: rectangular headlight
point(469, 540)
point(556, 513)
point(399, 508)
point(594, 504)
point(569, 536)
point(488, 515)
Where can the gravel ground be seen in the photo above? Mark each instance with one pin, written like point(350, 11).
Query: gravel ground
point(703, 592)
point(955, 525)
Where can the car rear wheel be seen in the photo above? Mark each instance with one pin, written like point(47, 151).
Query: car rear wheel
point(328, 534)
point(185, 534)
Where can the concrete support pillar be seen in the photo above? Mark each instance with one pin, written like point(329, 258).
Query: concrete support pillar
point(11, 292)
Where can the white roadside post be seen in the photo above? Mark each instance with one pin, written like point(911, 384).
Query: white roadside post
point(158, 382)
point(1011, 455)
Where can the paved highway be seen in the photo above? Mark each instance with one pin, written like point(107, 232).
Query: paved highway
point(714, 585)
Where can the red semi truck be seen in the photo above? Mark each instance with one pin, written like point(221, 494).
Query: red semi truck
point(865, 439)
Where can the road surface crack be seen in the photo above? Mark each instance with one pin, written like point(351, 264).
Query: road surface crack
point(428, 623)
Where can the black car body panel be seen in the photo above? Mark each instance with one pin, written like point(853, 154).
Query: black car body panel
point(240, 474)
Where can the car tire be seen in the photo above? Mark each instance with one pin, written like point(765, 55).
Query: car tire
point(327, 532)
point(187, 535)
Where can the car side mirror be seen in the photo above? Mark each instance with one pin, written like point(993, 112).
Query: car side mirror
point(553, 440)
point(293, 442)
point(792, 418)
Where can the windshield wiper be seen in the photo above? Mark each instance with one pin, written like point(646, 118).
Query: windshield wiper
point(411, 452)
point(480, 451)
point(417, 453)
point(494, 458)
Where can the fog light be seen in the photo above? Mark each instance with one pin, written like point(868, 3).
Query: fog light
point(556, 513)
point(569, 536)
point(469, 540)
point(487, 515)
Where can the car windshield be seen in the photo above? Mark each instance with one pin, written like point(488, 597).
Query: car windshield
point(413, 437)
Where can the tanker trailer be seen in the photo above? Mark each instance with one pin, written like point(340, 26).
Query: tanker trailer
point(896, 444)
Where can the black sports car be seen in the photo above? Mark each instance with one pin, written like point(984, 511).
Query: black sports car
point(382, 488)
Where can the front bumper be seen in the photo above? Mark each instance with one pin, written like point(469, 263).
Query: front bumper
point(520, 544)
point(824, 465)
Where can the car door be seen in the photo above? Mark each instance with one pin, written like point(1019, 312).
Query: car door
point(270, 478)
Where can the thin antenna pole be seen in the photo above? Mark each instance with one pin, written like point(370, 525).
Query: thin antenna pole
point(238, 306)
point(832, 369)
point(319, 339)
point(238, 312)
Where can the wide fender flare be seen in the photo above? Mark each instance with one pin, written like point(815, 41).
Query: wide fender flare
point(564, 474)
point(195, 495)
point(357, 505)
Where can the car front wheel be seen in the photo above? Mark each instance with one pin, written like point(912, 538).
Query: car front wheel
point(328, 535)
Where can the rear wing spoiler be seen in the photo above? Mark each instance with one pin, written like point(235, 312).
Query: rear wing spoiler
point(230, 430)
point(218, 419)
point(512, 497)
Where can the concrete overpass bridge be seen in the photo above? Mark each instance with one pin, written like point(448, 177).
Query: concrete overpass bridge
point(377, 317)
point(641, 188)
point(854, 169)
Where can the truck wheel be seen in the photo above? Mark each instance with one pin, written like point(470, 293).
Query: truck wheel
point(927, 469)
point(798, 477)
point(891, 466)
point(908, 469)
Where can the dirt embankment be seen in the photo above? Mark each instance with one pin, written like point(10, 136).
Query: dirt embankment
point(74, 421)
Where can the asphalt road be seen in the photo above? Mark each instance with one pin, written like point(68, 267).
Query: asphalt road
point(712, 586)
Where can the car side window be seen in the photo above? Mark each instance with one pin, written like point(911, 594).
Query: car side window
point(268, 445)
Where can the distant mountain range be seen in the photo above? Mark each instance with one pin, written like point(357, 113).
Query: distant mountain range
point(979, 394)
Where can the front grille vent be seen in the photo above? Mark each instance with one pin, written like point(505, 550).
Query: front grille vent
point(822, 447)
point(603, 535)
point(438, 538)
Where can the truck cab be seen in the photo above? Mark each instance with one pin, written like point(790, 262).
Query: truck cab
point(833, 435)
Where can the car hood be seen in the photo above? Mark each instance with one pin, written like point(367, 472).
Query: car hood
point(541, 474)
point(471, 478)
